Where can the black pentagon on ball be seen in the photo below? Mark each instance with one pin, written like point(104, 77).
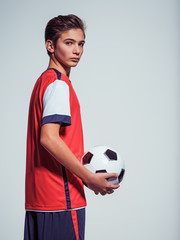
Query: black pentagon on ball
point(87, 158)
point(101, 171)
point(121, 175)
point(111, 154)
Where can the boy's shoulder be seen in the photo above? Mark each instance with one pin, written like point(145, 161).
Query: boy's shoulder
point(52, 74)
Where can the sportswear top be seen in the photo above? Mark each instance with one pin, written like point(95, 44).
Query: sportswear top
point(49, 185)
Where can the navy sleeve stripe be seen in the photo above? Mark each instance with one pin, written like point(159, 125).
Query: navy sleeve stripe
point(64, 119)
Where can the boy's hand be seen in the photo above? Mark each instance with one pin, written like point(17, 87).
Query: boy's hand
point(98, 183)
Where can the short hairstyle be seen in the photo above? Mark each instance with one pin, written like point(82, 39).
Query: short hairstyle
point(57, 25)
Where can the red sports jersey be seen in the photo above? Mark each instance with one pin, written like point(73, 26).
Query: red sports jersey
point(49, 186)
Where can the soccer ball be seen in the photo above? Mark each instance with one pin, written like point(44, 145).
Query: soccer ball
point(102, 159)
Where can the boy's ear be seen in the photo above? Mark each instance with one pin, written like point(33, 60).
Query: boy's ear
point(49, 46)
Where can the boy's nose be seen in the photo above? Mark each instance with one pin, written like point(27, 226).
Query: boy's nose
point(76, 49)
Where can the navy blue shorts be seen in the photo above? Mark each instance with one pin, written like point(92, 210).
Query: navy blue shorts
point(65, 225)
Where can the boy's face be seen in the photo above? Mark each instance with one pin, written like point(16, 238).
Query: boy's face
point(69, 47)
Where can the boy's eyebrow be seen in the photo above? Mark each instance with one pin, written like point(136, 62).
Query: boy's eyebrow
point(71, 39)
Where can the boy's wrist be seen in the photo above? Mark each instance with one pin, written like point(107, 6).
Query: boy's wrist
point(87, 176)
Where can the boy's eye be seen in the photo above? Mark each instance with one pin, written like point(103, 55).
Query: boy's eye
point(81, 44)
point(68, 43)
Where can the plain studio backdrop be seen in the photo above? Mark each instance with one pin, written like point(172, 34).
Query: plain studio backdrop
point(127, 84)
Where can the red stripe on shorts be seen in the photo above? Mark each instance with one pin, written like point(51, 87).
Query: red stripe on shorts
point(75, 223)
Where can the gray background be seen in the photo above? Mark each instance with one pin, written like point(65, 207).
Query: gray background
point(128, 87)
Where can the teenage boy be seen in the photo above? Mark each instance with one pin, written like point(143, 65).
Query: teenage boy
point(55, 200)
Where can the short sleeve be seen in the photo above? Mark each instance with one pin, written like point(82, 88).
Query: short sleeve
point(56, 107)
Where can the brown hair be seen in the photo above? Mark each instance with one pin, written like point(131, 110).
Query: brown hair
point(56, 26)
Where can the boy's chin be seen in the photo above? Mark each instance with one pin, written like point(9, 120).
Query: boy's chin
point(74, 64)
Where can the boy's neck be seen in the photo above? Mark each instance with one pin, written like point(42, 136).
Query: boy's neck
point(60, 67)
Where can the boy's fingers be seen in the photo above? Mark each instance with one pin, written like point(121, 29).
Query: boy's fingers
point(109, 191)
point(115, 186)
point(111, 175)
point(103, 193)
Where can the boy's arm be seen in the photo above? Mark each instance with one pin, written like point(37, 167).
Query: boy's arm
point(52, 142)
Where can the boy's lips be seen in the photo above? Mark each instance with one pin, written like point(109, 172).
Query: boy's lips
point(75, 59)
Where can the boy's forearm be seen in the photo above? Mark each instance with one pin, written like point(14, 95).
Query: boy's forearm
point(61, 152)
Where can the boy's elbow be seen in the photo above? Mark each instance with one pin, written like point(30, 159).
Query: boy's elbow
point(45, 140)
point(42, 140)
